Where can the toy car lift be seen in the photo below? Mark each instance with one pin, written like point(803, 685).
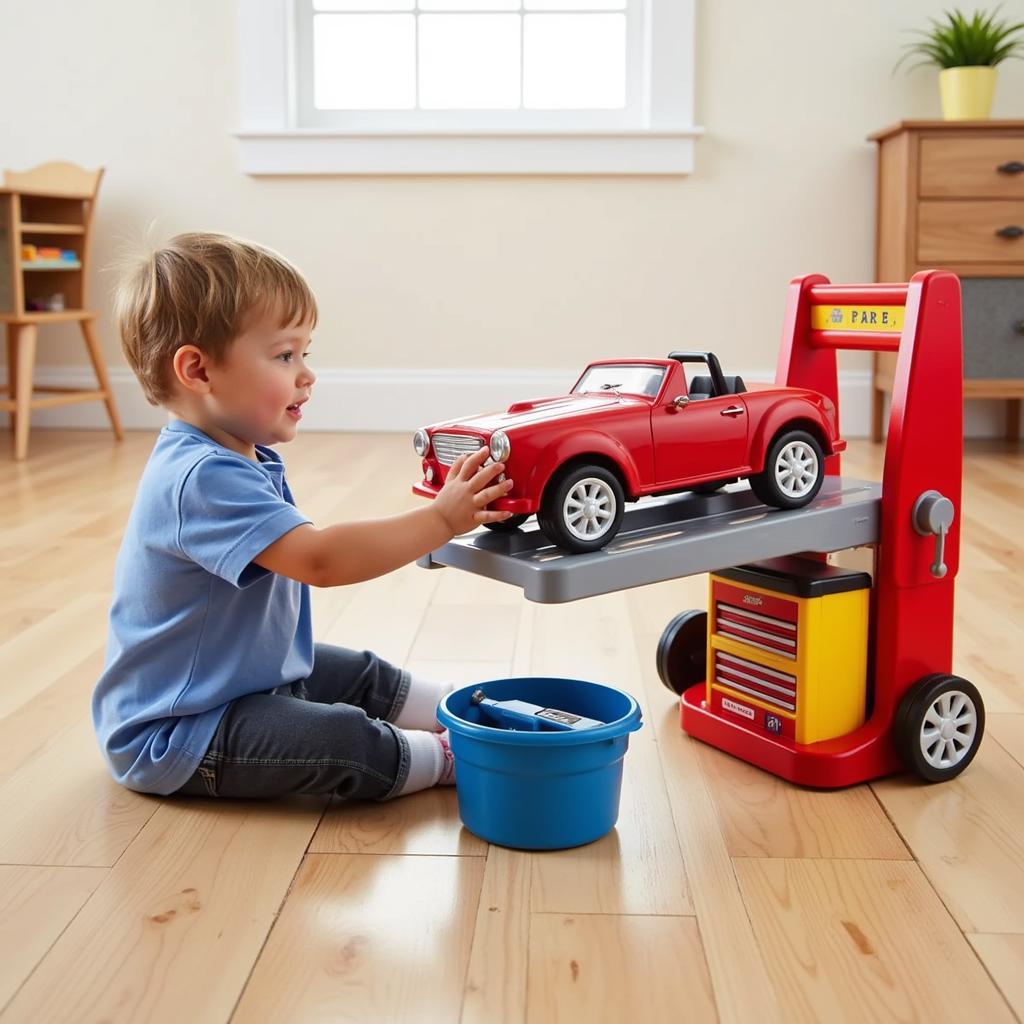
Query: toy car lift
point(915, 714)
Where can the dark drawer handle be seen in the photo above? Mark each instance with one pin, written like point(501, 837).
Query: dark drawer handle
point(1010, 231)
point(1013, 167)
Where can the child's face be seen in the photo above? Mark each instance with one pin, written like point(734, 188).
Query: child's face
point(259, 389)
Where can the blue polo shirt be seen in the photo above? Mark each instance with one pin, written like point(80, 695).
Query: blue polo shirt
point(194, 622)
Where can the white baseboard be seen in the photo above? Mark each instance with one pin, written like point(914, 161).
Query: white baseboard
point(399, 401)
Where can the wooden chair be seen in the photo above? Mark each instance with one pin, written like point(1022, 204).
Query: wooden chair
point(50, 205)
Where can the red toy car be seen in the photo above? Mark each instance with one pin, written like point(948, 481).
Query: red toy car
point(634, 427)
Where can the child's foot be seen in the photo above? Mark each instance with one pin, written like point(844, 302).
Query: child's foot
point(420, 708)
point(448, 771)
point(430, 761)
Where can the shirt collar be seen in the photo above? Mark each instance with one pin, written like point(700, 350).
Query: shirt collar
point(265, 457)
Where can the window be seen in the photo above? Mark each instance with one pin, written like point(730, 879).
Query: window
point(466, 86)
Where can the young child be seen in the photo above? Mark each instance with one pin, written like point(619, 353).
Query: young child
point(213, 684)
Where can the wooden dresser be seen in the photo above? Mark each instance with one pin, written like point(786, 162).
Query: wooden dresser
point(951, 195)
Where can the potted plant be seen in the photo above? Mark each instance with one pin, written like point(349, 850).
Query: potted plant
point(967, 50)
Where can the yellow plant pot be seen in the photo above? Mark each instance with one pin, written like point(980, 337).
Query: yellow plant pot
point(967, 93)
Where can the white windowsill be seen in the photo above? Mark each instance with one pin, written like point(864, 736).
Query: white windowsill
point(326, 151)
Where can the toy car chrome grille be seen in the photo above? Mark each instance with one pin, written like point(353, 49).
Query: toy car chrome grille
point(448, 447)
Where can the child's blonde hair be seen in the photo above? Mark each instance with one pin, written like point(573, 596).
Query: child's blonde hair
point(201, 289)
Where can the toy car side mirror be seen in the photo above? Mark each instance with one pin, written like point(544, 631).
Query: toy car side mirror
point(679, 403)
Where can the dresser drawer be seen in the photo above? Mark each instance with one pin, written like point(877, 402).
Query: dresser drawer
point(953, 231)
point(993, 327)
point(972, 168)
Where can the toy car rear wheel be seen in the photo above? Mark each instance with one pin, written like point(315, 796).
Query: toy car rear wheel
point(582, 507)
point(683, 651)
point(507, 525)
point(938, 726)
point(794, 469)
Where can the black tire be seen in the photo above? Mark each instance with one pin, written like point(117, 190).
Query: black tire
point(766, 484)
point(552, 518)
point(509, 525)
point(965, 723)
point(683, 651)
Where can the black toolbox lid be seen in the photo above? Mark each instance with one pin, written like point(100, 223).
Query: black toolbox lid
point(801, 577)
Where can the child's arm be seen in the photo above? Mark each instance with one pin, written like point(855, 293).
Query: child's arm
point(357, 551)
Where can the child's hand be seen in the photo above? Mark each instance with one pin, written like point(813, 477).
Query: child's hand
point(465, 492)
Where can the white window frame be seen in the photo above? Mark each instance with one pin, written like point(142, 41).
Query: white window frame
point(656, 137)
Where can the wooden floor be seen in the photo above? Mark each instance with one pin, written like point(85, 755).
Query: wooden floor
point(723, 893)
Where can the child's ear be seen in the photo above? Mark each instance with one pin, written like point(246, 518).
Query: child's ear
point(190, 368)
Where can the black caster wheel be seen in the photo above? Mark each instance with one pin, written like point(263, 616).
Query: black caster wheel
point(509, 525)
point(683, 651)
point(938, 726)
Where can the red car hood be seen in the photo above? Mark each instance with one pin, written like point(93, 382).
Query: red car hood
point(543, 410)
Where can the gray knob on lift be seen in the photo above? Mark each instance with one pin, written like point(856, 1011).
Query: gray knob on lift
point(933, 514)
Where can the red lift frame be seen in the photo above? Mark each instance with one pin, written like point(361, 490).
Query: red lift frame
point(911, 628)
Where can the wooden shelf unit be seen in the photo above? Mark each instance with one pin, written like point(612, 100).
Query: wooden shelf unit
point(51, 205)
point(951, 196)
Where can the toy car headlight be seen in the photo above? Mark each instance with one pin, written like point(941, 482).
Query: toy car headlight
point(501, 446)
point(421, 442)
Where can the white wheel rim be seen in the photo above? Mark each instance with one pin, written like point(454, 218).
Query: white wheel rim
point(796, 469)
point(589, 508)
point(948, 729)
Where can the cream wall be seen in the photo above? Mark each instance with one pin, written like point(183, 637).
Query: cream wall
point(494, 273)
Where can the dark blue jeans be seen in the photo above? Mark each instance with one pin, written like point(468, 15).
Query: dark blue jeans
point(327, 733)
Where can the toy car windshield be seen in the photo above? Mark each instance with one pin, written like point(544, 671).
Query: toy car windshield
point(634, 379)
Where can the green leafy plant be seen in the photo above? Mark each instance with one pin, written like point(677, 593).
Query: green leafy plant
point(960, 41)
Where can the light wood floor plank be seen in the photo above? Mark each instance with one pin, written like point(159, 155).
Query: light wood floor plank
point(367, 938)
point(422, 823)
point(1003, 957)
point(636, 869)
point(863, 941)
point(29, 663)
point(765, 816)
point(496, 980)
point(968, 835)
point(36, 905)
point(173, 931)
point(598, 967)
point(63, 807)
point(37, 723)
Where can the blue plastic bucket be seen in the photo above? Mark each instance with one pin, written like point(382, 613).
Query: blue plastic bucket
point(540, 790)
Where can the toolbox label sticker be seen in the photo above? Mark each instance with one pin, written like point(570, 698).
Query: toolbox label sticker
point(773, 724)
point(737, 709)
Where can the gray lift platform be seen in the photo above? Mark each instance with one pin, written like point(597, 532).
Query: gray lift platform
point(666, 538)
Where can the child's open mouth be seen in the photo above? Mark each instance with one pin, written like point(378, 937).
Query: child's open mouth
point(295, 411)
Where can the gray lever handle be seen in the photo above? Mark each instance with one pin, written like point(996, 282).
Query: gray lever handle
point(933, 514)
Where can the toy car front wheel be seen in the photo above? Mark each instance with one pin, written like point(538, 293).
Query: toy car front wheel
point(683, 651)
point(507, 525)
point(794, 469)
point(582, 508)
point(938, 726)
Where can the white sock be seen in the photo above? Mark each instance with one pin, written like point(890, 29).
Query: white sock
point(430, 761)
point(420, 708)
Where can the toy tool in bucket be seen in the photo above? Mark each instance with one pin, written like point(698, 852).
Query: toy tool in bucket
point(539, 760)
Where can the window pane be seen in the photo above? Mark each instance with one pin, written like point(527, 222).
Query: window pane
point(575, 5)
point(574, 61)
point(469, 61)
point(469, 5)
point(364, 61)
point(363, 5)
